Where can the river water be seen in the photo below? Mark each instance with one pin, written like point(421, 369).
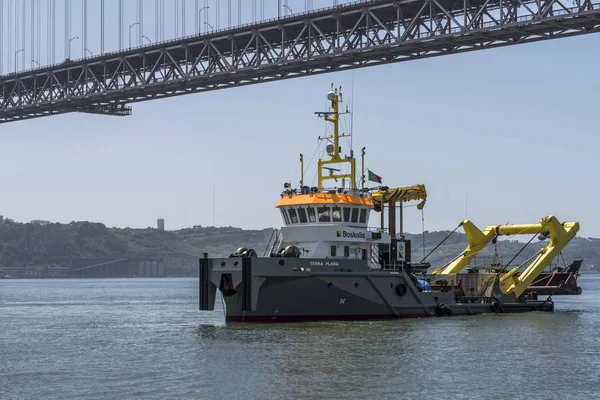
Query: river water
point(146, 338)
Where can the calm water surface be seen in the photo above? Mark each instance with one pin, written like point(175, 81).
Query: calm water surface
point(146, 338)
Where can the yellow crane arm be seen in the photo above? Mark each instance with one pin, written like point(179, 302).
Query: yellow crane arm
point(476, 239)
point(560, 236)
point(408, 193)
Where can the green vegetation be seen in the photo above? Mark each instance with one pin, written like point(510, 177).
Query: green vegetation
point(43, 244)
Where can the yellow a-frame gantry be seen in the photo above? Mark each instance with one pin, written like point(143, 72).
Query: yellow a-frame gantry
point(560, 235)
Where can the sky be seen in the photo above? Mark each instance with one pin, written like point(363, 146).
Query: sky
point(505, 135)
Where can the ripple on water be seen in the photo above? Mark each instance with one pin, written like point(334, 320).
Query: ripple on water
point(146, 338)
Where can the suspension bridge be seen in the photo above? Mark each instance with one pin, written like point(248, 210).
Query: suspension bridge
point(220, 44)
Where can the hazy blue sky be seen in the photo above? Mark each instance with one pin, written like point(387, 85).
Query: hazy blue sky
point(515, 130)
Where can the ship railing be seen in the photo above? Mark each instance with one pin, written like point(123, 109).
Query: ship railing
point(384, 230)
point(334, 190)
point(392, 267)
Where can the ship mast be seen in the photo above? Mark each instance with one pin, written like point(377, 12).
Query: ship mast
point(333, 148)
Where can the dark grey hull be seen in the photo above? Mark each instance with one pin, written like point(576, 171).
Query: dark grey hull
point(288, 290)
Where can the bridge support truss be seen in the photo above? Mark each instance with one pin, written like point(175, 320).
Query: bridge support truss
point(347, 36)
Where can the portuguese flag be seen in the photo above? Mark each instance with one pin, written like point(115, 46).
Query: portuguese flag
point(373, 177)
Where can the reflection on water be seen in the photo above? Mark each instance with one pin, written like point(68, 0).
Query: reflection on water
point(146, 338)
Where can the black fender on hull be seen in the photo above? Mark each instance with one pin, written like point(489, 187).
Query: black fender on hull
point(442, 310)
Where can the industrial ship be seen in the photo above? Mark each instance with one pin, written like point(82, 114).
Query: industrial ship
point(327, 263)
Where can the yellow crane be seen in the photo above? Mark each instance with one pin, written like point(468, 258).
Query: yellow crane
point(560, 235)
point(407, 193)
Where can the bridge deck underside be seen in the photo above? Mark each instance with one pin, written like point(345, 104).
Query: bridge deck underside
point(351, 36)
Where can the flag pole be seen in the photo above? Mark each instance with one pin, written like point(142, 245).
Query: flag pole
point(301, 170)
point(363, 168)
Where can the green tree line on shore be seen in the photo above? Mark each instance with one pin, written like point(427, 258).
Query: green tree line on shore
point(41, 244)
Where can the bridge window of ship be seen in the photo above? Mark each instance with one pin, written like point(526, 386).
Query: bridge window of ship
point(346, 251)
point(363, 216)
point(355, 215)
point(302, 215)
point(311, 214)
point(337, 214)
point(293, 216)
point(324, 214)
point(285, 217)
point(347, 214)
point(333, 251)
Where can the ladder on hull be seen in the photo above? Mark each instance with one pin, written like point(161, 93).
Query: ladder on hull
point(375, 264)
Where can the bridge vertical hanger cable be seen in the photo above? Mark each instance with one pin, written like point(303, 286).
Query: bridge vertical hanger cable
point(66, 30)
point(70, 30)
point(48, 5)
point(84, 30)
point(120, 24)
point(39, 31)
point(52, 36)
point(16, 34)
point(141, 26)
point(196, 16)
point(24, 23)
point(218, 14)
point(156, 35)
point(32, 48)
point(162, 20)
point(9, 42)
point(176, 16)
point(35, 31)
point(239, 10)
point(205, 14)
point(48, 32)
point(53, 24)
point(102, 26)
point(137, 19)
point(1, 37)
point(228, 13)
point(183, 18)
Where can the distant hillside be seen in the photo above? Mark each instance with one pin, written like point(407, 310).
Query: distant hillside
point(44, 244)
point(33, 245)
